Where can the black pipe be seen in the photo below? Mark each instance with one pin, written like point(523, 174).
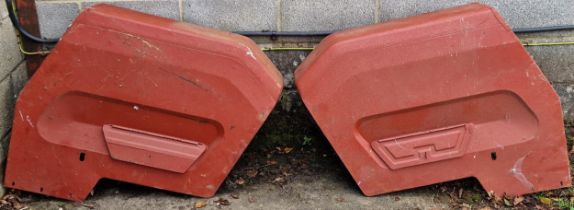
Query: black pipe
point(23, 31)
point(543, 29)
point(284, 33)
point(327, 33)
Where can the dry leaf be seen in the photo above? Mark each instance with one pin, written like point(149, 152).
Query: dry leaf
point(240, 181)
point(222, 202)
point(545, 200)
point(252, 173)
point(278, 180)
point(443, 189)
point(507, 202)
point(518, 200)
point(491, 194)
point(200, 204)
point(497, 199)
point(235, 196)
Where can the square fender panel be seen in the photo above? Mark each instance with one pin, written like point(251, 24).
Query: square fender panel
point(141, 99)
point(434, 98)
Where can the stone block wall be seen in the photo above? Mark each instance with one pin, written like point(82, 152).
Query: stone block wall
point(13, 75)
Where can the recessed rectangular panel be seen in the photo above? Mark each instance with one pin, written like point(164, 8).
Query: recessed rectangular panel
point(151, 149)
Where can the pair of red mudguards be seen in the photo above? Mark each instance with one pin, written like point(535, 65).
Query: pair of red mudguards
point(408, 103)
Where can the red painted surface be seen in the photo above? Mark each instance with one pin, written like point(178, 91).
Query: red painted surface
point(141, 99)
point(435, 98)
point(151, 149)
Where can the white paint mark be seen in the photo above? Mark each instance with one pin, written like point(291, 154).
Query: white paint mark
point(149, 45)
point(250, 54)
point(517, 173)
point(261, 116)
point(136, 108)
point(29, 120)
point(21, 116)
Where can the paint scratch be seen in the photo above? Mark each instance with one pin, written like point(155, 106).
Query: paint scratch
point(250, 54)
point(517, 173)
point(29, 120)
point(193, 82)
point(21, 116)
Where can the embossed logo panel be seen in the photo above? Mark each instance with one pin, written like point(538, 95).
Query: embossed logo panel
point(423, 147)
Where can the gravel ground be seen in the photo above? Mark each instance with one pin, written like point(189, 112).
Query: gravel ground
point(310, 177)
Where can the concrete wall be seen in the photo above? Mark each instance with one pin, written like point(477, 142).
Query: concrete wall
point(12, 78)
point(301, 15)
point(557, 63)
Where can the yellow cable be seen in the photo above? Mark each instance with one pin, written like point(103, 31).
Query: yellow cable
point(527, 44)
point(547, 43)
point(287, 49)
point(31, 53)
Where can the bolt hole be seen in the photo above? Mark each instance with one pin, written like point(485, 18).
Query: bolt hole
point(41, 189)
point(493, 155)
point(561, 183)
point(13, 183)
point(82, 156)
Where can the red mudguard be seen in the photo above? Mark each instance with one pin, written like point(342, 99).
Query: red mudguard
point(434, 98)
point(140, 99)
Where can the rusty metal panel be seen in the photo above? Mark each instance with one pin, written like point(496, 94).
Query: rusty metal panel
point(434, 98)
point(140, 99)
